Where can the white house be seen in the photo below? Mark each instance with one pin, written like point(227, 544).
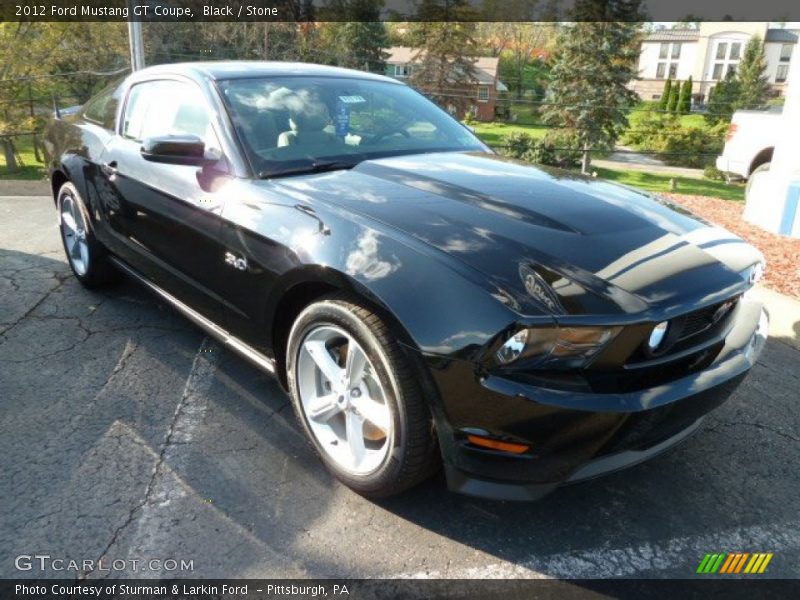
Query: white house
point(707, 54)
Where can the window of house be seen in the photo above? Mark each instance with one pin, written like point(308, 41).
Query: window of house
point(673, 70)
point(731, 71)
point(483, 94)
point(402, 70)
point(728, 55)
point(668, 52)
point(783, 71)
point(786, 52)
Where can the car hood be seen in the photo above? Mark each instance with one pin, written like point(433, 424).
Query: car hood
point(552, 241)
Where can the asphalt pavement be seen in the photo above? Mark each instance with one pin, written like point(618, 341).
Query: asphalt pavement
point(127, 435)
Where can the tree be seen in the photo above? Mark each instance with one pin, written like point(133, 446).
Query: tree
point(664, 101)
point(358, 39)
point(674, 92)
point(753, 81)
point(444, 63)
point(685, 98)
point(723, 99)
point(524, 42)
point(596, 58)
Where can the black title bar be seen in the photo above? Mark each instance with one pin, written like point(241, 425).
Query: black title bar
point(399, 10)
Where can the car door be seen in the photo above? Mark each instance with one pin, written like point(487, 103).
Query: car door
point(166, 218)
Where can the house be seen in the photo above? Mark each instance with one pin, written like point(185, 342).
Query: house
point(707, 54)
point(486, 87)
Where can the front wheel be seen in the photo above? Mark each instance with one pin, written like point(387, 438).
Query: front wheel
point(87, 257)
point(357, 396)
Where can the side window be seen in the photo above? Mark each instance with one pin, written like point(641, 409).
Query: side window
point(159, 108)
point(102, 109)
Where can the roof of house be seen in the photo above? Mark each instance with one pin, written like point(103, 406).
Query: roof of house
point(785, 36)
point(485, 66)
point(673, 35)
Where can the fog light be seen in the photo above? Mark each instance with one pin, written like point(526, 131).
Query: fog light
point(657, 336)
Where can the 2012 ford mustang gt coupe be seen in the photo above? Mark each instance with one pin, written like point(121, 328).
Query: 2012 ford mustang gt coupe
point(422, 299)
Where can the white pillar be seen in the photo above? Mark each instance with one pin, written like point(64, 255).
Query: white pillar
point(773, 199)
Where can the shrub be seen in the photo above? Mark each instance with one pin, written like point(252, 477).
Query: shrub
point(517, 143)
point(674, 143)
point(559, 148)
point(713, 173)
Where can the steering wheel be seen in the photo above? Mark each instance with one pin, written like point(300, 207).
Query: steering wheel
point(400, 129)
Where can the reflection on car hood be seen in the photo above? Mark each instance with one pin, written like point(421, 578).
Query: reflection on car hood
point(570, 244)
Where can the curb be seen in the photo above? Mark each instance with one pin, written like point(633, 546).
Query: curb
point(19, 187)
point(784, 317)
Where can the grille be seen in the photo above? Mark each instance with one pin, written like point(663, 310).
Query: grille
point(697, 321)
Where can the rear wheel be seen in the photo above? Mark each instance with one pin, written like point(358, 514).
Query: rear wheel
point(87, 257)
point(357, 396)
point(757, 172)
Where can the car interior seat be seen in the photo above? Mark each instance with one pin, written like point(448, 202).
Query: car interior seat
point(307, 127)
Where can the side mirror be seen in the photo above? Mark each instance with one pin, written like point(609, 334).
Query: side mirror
point(175, 150)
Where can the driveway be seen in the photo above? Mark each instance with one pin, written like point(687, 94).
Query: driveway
point(126, 434)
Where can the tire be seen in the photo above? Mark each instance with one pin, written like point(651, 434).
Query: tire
point(759, 169)
point(86, 256)
point(398, 447)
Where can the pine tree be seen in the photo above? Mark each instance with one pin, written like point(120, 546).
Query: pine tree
point(685, 98)
point(662, 103)
point(723, 99)
point(444, 63)
point(358, 39)
point(753, 81)
point(596, 57)
point(674, 92)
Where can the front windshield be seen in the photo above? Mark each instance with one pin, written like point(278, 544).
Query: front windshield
point(288, 124)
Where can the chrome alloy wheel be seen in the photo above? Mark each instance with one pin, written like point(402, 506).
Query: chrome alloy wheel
point(73, 228)
point(343, 400)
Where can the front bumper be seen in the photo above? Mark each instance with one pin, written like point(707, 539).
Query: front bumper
point(577, 435)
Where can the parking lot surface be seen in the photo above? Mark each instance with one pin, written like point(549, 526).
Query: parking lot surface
point(126, 434)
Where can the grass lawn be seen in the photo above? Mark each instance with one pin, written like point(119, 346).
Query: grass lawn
point(653, 182)
point(30, 169)
point(493, 133)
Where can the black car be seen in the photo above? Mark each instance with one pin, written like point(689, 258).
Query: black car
point(418, 296)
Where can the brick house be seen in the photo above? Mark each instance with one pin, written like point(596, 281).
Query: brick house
point(486, 87)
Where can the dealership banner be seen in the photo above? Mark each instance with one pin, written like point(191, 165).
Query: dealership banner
point(399, 10)
point(411, 589)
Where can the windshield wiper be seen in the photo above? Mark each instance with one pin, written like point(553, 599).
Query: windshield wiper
point(314, 167)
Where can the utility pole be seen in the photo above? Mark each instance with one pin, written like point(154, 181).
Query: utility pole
point(135, 40)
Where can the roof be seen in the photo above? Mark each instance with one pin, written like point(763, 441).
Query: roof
point(784, 36)
point(242, 69)
point(485, 66)
point(673, 35)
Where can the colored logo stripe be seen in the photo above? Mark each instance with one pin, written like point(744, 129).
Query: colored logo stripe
point(735, 562)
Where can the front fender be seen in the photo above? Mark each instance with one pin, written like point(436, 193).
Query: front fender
point(446, 308)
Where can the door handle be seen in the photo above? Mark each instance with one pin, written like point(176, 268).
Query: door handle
point(110, 168)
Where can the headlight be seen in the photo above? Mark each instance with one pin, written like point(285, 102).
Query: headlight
point(556, 346)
